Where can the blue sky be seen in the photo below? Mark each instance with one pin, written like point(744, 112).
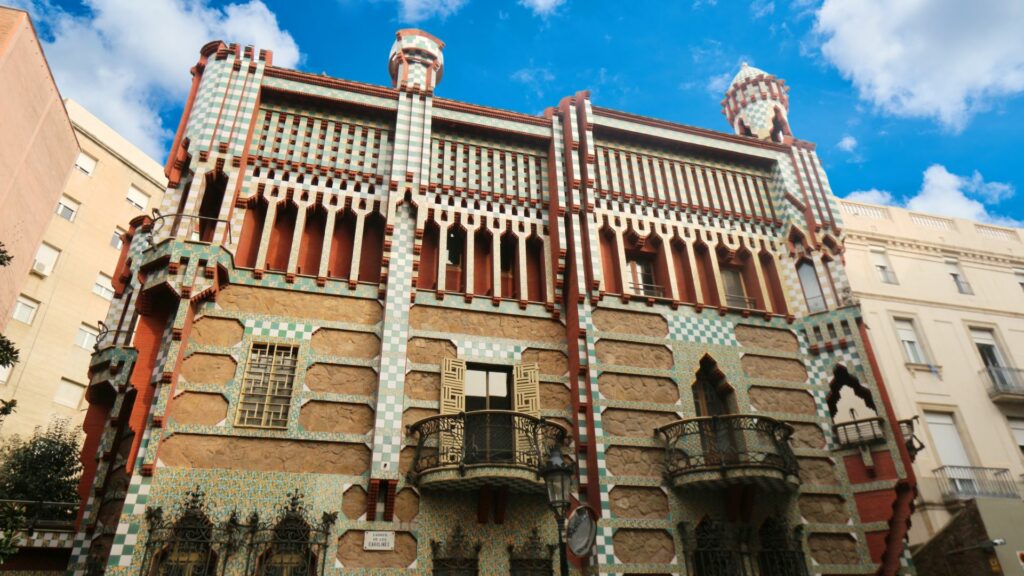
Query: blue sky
point(915, 103)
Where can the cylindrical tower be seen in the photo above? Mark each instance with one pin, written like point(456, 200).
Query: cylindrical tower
point(756, 104)
point(416, 62)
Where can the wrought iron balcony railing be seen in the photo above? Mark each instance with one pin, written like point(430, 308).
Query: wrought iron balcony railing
point(648, 289)
point(914, 444)
point(740, 301)
point(486, 439)
point(1004, 384)
point(41, 515)
point(726, 444)
point(199, 228)
point(859, 432)
point(967, 482)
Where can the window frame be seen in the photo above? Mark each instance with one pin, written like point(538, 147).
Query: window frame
point(74, 206)
point(101, 290)
point(128, 197)
point(91, 332)
point(922, 349)
point(82, 168)
point(956, 271)
point(80, 390)
point(886, 272)
point(119, 236)
point(802, 264)
point(264, 387)
point(29, 303)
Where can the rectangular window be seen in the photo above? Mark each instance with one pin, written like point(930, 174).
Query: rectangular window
point(881, 262)
point(46, 260)
point(137, 198)
point(962, 286)
point(907, 334)
point(104, 287)
point(948, 445)
point(86, 337)
point(267, 386)
point(1017, 427)
point(735, 292)
point(85, 163)
point(69, 393)
point(67, 208)
point(641, 275)
point(25, 309)
point(5, 373)
point(1001, 377)
point(117, 239)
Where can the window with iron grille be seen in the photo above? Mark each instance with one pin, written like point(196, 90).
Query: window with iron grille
point(267, 386)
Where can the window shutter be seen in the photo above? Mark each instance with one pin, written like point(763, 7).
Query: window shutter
point(453, 386)
point(526, 388)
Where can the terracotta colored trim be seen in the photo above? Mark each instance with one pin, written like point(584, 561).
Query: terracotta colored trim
point(327, 82)
point(458, 106)
point(197, 74)
point(686, 129)
point(418, 32)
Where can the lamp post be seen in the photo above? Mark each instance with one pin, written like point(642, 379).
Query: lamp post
point(558, 475)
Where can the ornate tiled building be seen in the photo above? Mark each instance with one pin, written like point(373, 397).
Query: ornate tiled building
point(365, 316)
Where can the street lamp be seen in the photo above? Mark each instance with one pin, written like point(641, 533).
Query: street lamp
point(558, 478)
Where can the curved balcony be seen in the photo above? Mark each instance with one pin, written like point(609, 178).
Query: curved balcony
point(487, 447)
point(727, 450)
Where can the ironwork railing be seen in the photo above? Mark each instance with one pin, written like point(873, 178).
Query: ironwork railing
point(740, 301)
point(648, 289)
point(913, 443)
point(816, 304)
point(1004, 380)
point(859, 432)
point(717, 548)
point(732, 441)
point(38, 515)
point(107, 338)
point(966, 482)
point(492, 437)
point(199, 234)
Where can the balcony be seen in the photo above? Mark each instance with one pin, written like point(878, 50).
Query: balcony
point(1005, 385)
point(496, 447)
point(967, 482)
point(648, 289)
point(913, 443)
point(728, 450)
point(41, 516)
point(740, 301)
point(859, 432)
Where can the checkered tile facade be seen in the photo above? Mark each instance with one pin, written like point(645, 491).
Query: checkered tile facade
point(562, 182)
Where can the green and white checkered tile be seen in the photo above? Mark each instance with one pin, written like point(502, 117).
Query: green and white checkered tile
point(48, 539)
point(273, 329)
point(704, 329)
point(128, 529)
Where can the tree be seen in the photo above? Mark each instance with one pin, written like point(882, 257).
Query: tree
point(45, 468)
point(8, 353)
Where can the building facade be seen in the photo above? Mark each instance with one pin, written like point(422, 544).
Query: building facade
point(944, 298)
point(376, 313)
point(69, 286)
point(37, 151)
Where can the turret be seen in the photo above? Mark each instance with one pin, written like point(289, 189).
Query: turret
point(756, 105)
point(416, 61)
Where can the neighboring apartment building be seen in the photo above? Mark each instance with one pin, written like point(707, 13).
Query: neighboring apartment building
point(57, 314)
point(378, 315)
point(944, 301)
point(37, 150)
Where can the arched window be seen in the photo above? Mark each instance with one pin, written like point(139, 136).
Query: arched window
point(289, 553)
point(813, 295)
point(457, 556)
point(716, 552)
point(186, 549)
point(854, 417)
point(780, 554)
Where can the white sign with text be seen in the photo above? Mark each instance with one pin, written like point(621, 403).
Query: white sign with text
point(378, 540)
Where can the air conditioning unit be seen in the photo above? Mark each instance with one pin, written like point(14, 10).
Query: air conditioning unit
point(39, 268)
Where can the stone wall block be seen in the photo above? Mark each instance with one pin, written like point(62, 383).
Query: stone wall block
point(625, 322)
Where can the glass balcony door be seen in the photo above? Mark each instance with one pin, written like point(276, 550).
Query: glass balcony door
point(490, 437)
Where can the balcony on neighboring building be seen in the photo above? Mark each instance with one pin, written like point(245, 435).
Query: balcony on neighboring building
point(496, 447)
point(913, 443)
point(859, 432)
point(729, 449)
point(967, 482)
point(1005, 385)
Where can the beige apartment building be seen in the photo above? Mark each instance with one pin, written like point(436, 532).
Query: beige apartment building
point(55, 318)
point(37, 149)
point(944, 301)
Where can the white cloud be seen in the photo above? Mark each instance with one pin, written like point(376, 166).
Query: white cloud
point(872, 196)
point(948, 194)
point(717, 84)
point(941, 59)
point(542, 8)
point(126, 61)
point(762, 8)
point(419, 10)
point(534, 78)
point(847, 144)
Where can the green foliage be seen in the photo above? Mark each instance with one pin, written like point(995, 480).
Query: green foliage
point(43, 468)
point(11, 520)
point(8, 353)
